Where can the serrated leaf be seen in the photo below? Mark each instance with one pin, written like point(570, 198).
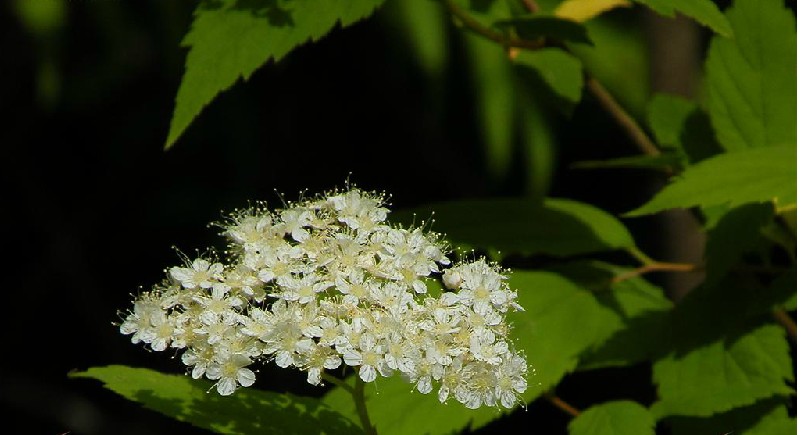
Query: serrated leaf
point(704, 11)
point(561, 71)
point(623, 417)
point(546, 332)
point(559, 227)
point(544, 26)
point(642, 309)
point(735, 233)
point(727, 373)
point(248, 411)
point(767, 417)
point(751, 79)
point(230, 39)
point(666, 160)
point(736, 178)
point(583, 10)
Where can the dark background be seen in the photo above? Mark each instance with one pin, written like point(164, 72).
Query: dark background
point(94, 206)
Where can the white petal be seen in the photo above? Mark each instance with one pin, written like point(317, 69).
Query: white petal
point(367, 373)
point(245, 377)
point(226, 386)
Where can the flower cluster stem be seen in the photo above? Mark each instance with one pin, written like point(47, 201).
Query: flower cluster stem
point(358, 393)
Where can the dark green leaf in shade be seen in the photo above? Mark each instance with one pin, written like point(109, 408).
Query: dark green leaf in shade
point(736, 178)
point(557, 227)
point(704, 11)
point(735, 233)
point(537, 26)
point(751, 78)
point(230, 39)
point(424, 25)
point(248, 411)
point(619, 50)
point(766, 417)
point(667, 160)
point(622, 417)
point(731, 371)
point(560, 321)
point(561, 71)
point(492, 78)
point(643, 311)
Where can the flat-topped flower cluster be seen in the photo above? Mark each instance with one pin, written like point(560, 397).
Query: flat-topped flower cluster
point(327, 281)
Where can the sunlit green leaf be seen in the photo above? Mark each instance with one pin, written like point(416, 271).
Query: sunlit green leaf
point(666, 115)
point(752, 175)
point(735, 233)
point(623, 417)
point(546, 332)
point(583, 10)
point(704, 11)
point(731, 371)
point(751, 78)
point(248, 411)
point(230, 39)
point(558, 227)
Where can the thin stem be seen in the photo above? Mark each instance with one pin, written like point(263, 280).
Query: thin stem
point(563, 405)
point(480, 29)
point(358, 393)
point(656, 266)
point(786, 321)
point(624, 119)
point(338, 382)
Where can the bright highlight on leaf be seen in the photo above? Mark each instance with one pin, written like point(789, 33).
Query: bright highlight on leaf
point(230, 39)
point(753, 175)
point(751, 78)
point(583, 10)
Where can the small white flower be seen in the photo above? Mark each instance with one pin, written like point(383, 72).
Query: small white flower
point(201, 273)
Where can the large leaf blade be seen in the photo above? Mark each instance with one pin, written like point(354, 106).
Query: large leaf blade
point(752, 175)
point(751, 79)
point(704, 11)
point(230, 39)
point(248, 411)
point(559, 227)
point(621, 417)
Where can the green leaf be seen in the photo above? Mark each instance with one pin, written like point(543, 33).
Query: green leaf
point(752, 175)
point(732, 371)
point(557, 227)
point(751, 79)
point(767, 417)
point(623, 417)
point(642, 309)
point(666, 115)
point(248, 411)
point(495, 101)
point(666, 160)
point(704, 11)
point(735, 233)
point(424, 25)
point(561, 71)
point(230, 39)
point(537, 26)
point(619, 50)
point(547, 334)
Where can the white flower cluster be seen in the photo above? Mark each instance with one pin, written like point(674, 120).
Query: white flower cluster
point(327, 282)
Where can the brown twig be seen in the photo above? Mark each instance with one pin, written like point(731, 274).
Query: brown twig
point(624, 119)
point(656, 266)
point(531, 6)
point(480, 29)
point(563, 405)
point(786, 321)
